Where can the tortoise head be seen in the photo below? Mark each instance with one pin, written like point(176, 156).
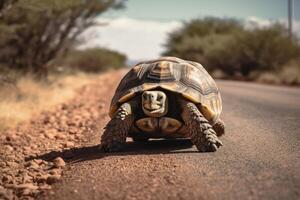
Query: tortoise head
point(154, 103)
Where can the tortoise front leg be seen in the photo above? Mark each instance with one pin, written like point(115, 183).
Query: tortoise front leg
point(116, 131)
point(200, 131)
point(219, 127)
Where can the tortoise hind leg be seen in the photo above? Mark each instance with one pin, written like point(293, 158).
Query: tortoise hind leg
point(200, 131)
point(116, 131)
point(219, 127)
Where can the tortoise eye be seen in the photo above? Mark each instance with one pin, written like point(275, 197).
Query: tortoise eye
point(159, 98)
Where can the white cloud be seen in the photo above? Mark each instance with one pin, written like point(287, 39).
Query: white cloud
point(138, 39)
point(254, 22)
point(144, 39)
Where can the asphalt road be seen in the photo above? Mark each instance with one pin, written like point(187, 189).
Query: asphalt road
point(260, 158)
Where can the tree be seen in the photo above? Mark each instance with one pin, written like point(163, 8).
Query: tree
point(198, 39)
point(226, 45)
point(5, 5)
point(33, 32)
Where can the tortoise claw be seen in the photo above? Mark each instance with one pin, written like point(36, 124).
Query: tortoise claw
point(213, 148)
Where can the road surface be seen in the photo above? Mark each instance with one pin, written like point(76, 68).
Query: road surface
point(260, 158)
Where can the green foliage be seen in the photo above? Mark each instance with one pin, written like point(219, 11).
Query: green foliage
point(94, 60)
point(33, 33)
point(226, 45)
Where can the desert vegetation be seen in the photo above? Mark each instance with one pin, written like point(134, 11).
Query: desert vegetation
point(39, 64)
point(35, 33)
point(27, 97)
point(92, 60)
point(229, 50)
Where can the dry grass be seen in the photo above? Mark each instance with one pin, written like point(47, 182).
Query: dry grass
point(288, 75)
point(28, 97)
point(268, 77)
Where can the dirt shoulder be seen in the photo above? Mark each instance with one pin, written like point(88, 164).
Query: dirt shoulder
point(23, 174)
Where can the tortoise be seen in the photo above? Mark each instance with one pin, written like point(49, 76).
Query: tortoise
point(165, 98)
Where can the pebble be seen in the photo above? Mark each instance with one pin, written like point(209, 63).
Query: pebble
point(42, 178)
point(69, 144)
point(7, 178)
point(27, 179)
point(39, 161)
point(73, 130)
point(8, 148)
point(60, 136)
point(59, 162)
point(49, 135)
point(53, 179)
point(11, 137)
point(11, 164)
point(45, 187)
point(32, 165)
point(29, 186)
point(55, 171)
point(51, 131)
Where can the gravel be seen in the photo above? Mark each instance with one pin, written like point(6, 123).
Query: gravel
point(24, 170)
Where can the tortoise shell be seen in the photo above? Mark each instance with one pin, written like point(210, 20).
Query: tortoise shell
point(187, 78)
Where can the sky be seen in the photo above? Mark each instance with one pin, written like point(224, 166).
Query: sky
point(141, 29)
point(168, 10)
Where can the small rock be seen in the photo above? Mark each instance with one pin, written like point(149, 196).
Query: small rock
point(63, 106)
point(42, 178)
point(49, 119)
point(11, 164)
point(60, 136)
point(45, 187)
point(59, 162)
point(2, 164)
point(73, 130)
point(7, 178)
point(53, 179)
point(27, 179)
point(11, 137)
point(34, 146)
point(55, 172)
point(69, 144)
point(49, 135)
point(8, 148)
point(29, 186)
point(6, 194)
point(39, 161)
point(32, 165)
point(27, 148)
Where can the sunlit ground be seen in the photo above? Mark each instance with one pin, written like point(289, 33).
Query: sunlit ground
point(28, 97)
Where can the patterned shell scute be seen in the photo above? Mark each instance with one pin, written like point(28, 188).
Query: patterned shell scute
point(184, 77)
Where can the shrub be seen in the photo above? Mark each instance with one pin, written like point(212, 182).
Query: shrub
point(226, 45)
point(34, 33)
point(94, 60)
point(290, 72)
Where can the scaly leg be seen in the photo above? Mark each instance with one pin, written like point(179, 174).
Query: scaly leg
point(219, 127)
point(201, 132)
point(116, 131)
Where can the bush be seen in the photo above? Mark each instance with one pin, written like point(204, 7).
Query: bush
point(94, 60)
point(34, 33)
point(290, 72)
point(265, 49)
point(224, 44)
